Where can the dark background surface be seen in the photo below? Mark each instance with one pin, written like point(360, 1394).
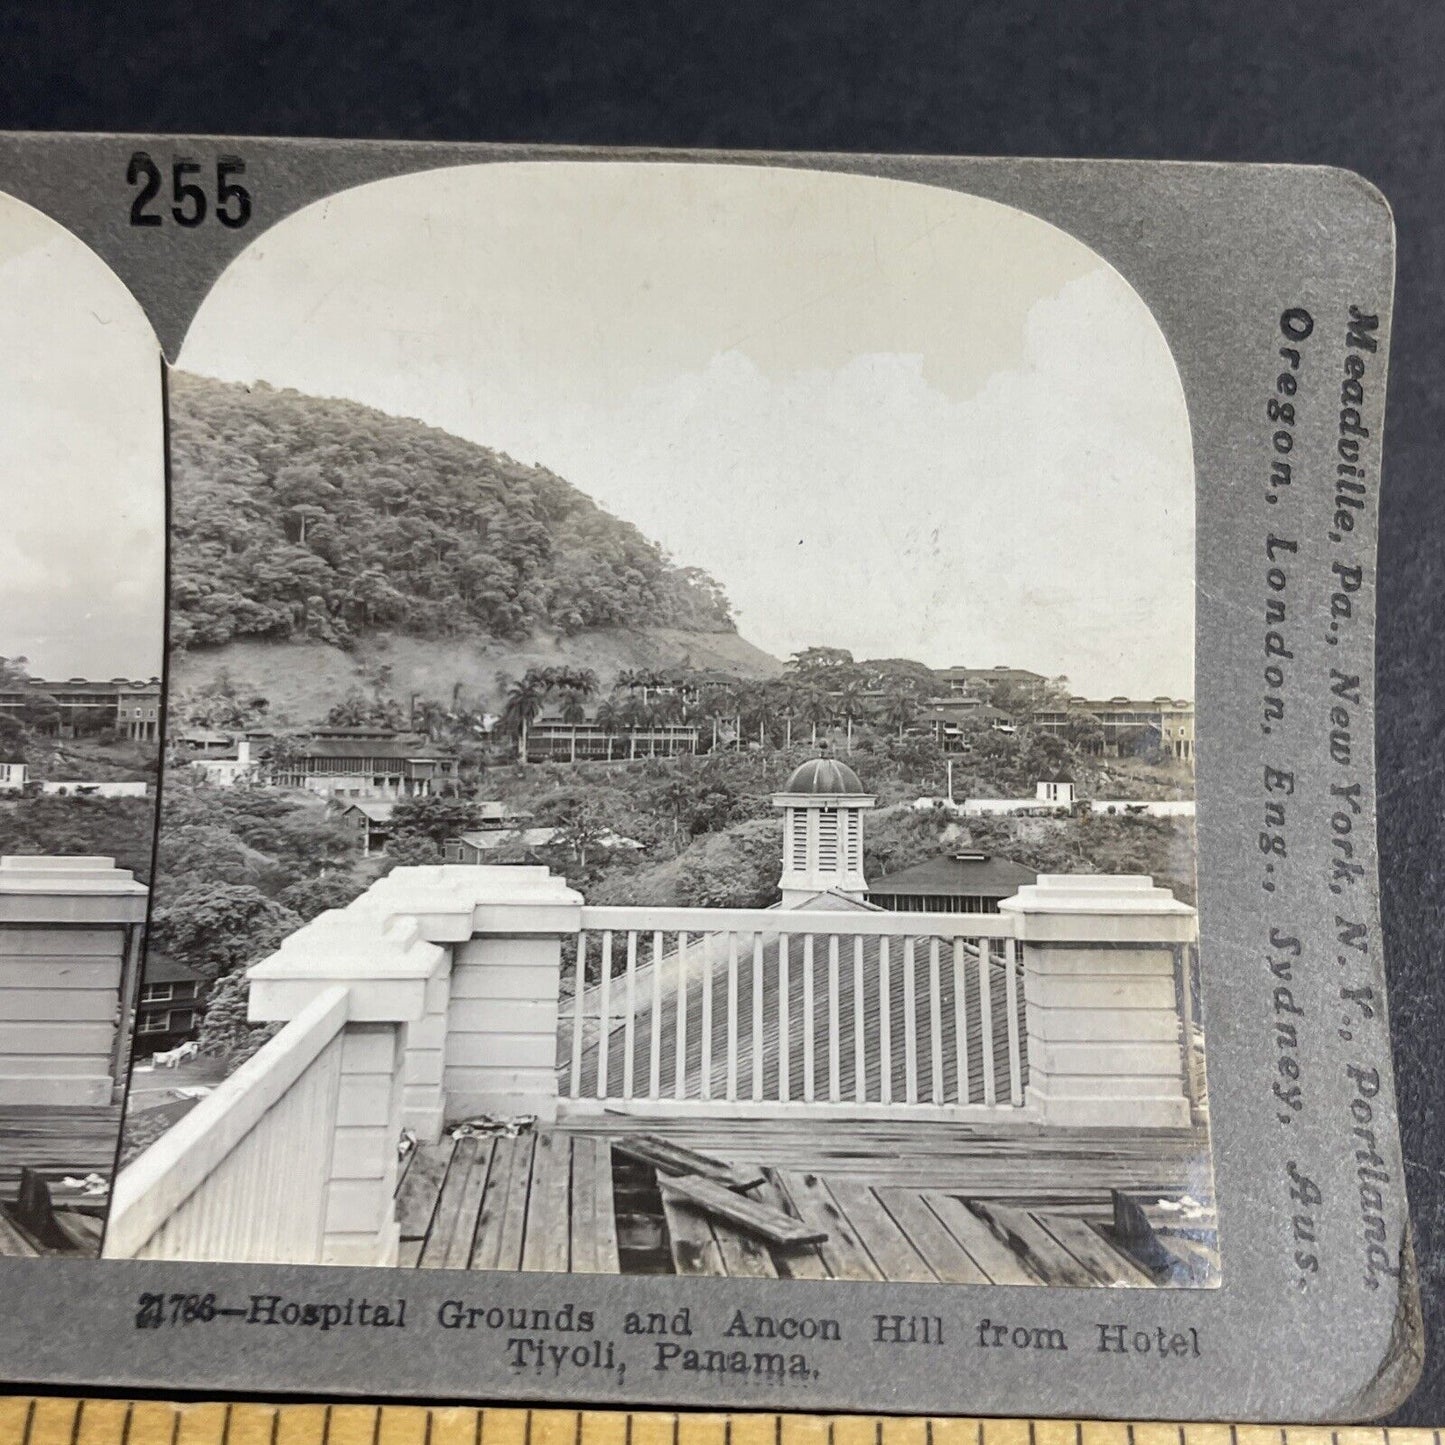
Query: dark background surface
point(1351, 85)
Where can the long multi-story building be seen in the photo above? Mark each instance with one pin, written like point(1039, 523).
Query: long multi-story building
point(980, 681)
point(349, 762)
point(78, 707)
point(549, 740)
point(1123, 720)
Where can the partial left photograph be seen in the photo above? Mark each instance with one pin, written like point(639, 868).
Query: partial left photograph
point(82, 599)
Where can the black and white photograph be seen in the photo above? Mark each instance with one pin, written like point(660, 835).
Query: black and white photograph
point(82, 599)
point(681, 744)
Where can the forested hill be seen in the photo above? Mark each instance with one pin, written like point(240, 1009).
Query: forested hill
point(301, 517)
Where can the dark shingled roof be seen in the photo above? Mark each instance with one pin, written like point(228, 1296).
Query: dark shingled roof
point(161, 968)
point(972, 876)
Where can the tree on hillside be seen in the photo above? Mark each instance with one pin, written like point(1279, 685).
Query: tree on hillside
point(852, 704)
point(217, 928)
point(900, 709)
point(431, 817)
point(298, 516)
point(573, 712)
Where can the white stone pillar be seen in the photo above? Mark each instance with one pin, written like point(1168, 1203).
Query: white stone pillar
point(389, 971)
point(70, 932)
point(1105, 1035)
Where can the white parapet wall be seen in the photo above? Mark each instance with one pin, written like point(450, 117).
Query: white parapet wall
point(1101, 960)
point(70, 931)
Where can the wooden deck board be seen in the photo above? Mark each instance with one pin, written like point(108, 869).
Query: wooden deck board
point(803, 1261)
point(946, 1257)
point(421, 1187)
point(890, 1248)
point(56, 1142)
point(547, 1243)
point(695, 1250)
point(1093, 1251)
point(594, 1216)
point(998, 1262)
point(544, 1201)
point(502, 1222)
point(1026, 1237)
point(842, 1251)
point(449, 1240)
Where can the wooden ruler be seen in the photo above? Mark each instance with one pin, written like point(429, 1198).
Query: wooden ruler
point(34, 1420)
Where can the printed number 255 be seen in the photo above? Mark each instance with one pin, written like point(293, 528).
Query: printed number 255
point(189, 200)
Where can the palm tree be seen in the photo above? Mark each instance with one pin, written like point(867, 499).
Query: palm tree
point(852, 703)
point(634, 714)
point(524, 702)
point(608, 718)
point(573, 712)
point(900, 709)
point(815, 706)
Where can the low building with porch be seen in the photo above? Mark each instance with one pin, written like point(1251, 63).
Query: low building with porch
point(820, 1089)
point(961, 882)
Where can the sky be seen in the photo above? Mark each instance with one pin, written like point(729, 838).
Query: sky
point(82, 474)
point(886, 417)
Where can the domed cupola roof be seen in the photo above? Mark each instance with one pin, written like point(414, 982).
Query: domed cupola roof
point(824, 776)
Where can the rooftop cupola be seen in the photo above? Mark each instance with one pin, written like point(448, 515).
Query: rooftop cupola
point(823, 805)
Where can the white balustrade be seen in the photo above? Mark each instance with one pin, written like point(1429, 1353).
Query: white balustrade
point(748, 1011)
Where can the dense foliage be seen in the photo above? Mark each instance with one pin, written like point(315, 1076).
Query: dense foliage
point(298, 516)
point(119, 828)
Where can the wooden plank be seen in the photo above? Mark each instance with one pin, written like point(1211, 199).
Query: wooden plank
point(743, 1254)
point(502, 1220)
point(694, 1247)
point(81, 1232)
point(994, 1258)
point(594, 1216)
point(1023, 1234)
point(801, 1261)
point(547, 1243)
point(1093, 1251)
point(842, 1252)
point(408, 1255)
point(448, 1242)
point(809, 1019)
point(416, 1200)
point(674, 1158)
point(946, 1257)
point(654, 1072)
point(738, 1209)
point(14, 1242)
point(889, 1247)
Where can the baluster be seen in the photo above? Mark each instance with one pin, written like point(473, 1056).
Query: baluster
point(1015, 1066)
point(604, 1014)
point(629, 1024)
point(860, 1042)
point(834, 1043)
point(935, 1020)
point(885, 1025)
point(679, 1084)
point(579, 983)
point(654, 1072)
point(757, 1016)
point(785, 944)
point(910, 1026)
point(732, 1015)
point(705, 1082)
point(808, 1018)
point(960, 1017)
point(985, 1016)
